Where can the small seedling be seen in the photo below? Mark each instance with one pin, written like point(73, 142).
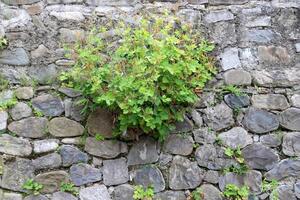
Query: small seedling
point(143, 194)
point(3, 83)
point(234, 192)
point(271, 187)
point(232, 89)
point(69, 187)
point(239, 169)
point(8, 103)
point(99, 137)
point(38, 113)
point(3, 43)
point(33, 186)
point(235, 153)
point(197, 194)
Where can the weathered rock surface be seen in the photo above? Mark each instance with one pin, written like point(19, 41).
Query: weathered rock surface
point(271, 140)
point(49, 105)
point(20, 110)
point(235, 137)
point(285, 168)
point(291, 144)
point(14, 146)
point(230, 59)
point(295, 99)
point(44, 146)
point(210, 192)
point(178, 144)
point(50, 161)
point(52, 180)
point(84, 173)
point(270, 101)
point(124, 191)
point(96, 192)
point(3, 120)
point(204, 136)
point(290, 119)
point(237, 102)
point(64, 127)
point(63, 196)
point(169, 194)
point(24, 93)
point(16, 56)
point(237, 77)
point(115, 172)
point(72, 155)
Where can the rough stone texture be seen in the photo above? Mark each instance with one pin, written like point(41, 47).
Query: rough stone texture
point(271, 140)
point(235, 137)
point(290, 119)
point(16, 56)
point(44, 146)
point(72, 155)
point(260, 121)
point(291, 144)
point(237, 77)
point(184, 174)
point(63, 196)
point(12, 196)
point(261, 157)
point(145, 151)
point(36, 197)
point(230, 59)
point(178, 195)
point(20, 2)
point(210, 192)
point(150, 176)
point(52, 180)
point(178, 144)
point(49, 161)
point(270, 101)
point(49, 105)
point(124, 191)
point(24, 93)
point(220, 15)
point(285, 168)
point(272, 54)
point(32, 127)
point(64, 127)
point(295, 100)
point(115, 172)
point(69, 92)
point(96, 192)
point(44, 74)
point(3, 120)
point(14, 146)
point(20, 110)
point(83, 173)
point(204, 136)
point(183, 127)
point(237, 102)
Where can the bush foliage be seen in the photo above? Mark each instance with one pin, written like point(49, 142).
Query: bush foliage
point(149, 79)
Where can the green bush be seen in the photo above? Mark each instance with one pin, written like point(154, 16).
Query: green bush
point(149, 79)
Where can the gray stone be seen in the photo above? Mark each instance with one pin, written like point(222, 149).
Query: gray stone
point(210, 192)
point(36, 197)
point(11, 196)
point(44, 74)
point(6, 96)
point(170, 195)
point(211, 176)
point(20, 110)
point(227, 2)
point(145, 151)
point(24, 93)
point(291, 144)
point(44, 146)
point(95, 192)
point(178, 144)
point(52, 180)
point(230, 59)
point(235, 137)
point(259, 21)
point(270, 101)
point(15, 18)
point(83, 173)
point(69, 36)
point(122, 192)
point(252, 179)
point(197, 118)
point(218, 117)
point(285, 168)
point(259, 36)
point(183, 126)
point(63, 196)
point(204, 136)
point(219, 15)
point(64, 127)
point(49, 161)
point(69, 92)
point(223, 33)
point(72, 155)
point(74, 140)
point(115, 172)
point(68, 16)
point(16, 173)
point(39, 52)
point(297, 46)
point(109, 2)
point(237, 77)
point(237, 102)
point(290, 119)
point(165, 159)
point(184, 174)
point(3, 120)
point(273, 54)
point(63, 1)
point(271, 140)
point(16, 56)
point(258, 156)
point(14, 146)
point(32, 127)
point(286, 191)
point(295, 99)
point(106, 148)
point(101, 121)
point(260, 121)
point(20, 2)
point(297, 189)
point(49, 105)
point(286, 3)
point(150, 176)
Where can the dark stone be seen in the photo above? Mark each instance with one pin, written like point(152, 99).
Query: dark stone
point(16, 56)
point(52, 180)
point(178, 144)
point(83, 173)
point(123, 192)
point(285, 168)
point(115, 172)
point(72, 155)
point(49, 105)
point(235, 102)
point(290, 119)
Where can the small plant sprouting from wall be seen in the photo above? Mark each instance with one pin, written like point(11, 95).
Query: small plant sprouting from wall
point(33, 187)
point(69, 187)
point(233, 192)
point(150, 79)
point(3, 43)
point(143, 194)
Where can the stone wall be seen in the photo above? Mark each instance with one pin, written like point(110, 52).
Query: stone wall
point(44, 136)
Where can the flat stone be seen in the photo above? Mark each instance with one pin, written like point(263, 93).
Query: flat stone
point(270, 101)
point(204, 136)
point(218, 117)
point(196, 116)
point(219, 15)
point(95, 192)
point(237, 77)
point(183, 126)
point(3, 120)
point(260, 121)
point(235, 137)
point(6, 96)
point(84, 173)
point(286, 191)
point(178, 144)
point(105, 149)
point(14, 146)
point(52, 180)
point(291, 144)
point(44, 75)
point(44, 146)
point(252, 179)
point(115, 172)
point(122, 192)
point(211, 176)
point(32, 127)
point(20, 2)
point(277, 78)
point(109, 2)
point(297, 189)
point(230, 59)
point(273, 54)
point(259, 36)
point(72, 155)
point(20, 110)
point(49, 105)
point(297, 46)
point(64, 127)
point(15, 18)
point(259, 21)
point(184, 174)
point(258, 156)
point(68, 16)
point(285, 168)
point(24, 93)
point(223, 34)
point(271, 140)
point(36, 197)
point(63, 196)
point(73, 110)
point(169, 194)
point(69, 92)
point(11, 196)
point(50, 161)
point(286, 3)
point(16, 56)
point(69, 36)
point(295, 99)
point(210, 192)
point(144, 151)
point(74, 140)
point(101, 121)
point(39, 52)
point(150, 176)
point(63, 1)
point(290, 119)
point(227, 2)
point(16, 173)
point(237, 102)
